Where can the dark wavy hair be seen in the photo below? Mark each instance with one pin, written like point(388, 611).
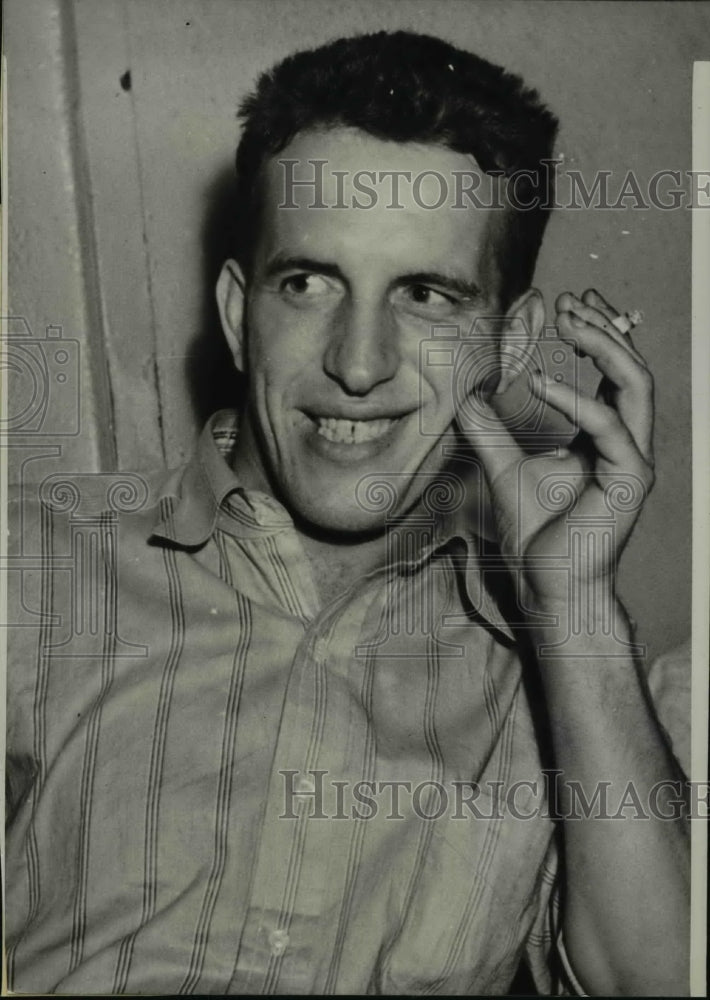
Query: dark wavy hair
point(407, 87)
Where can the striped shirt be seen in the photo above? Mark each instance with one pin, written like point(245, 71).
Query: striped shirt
point(219, 784)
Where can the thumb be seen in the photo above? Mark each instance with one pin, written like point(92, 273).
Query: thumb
point(493, 443)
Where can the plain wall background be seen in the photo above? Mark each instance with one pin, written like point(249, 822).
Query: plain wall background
point(120, 198)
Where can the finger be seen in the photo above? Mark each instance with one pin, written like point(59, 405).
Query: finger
point(630, 343)
point(631, 384)
point(569, 303)
point(490, 438)
point(592, 298)
point(615, 496)
point(602, 424)
point(596, 343)
point(615, 460)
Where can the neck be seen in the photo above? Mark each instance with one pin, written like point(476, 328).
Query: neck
point(338, 564)
point(338, 560)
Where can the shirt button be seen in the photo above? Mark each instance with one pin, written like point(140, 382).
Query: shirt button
point(305, 785)
point(278, 941)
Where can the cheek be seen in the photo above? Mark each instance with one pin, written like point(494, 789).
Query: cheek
point(473, 371)
point(478, 369)
point(281, 341)
point(441, 388)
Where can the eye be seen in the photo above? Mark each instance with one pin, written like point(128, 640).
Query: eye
point(425, 301)
point(425, 296)
point(304, 285)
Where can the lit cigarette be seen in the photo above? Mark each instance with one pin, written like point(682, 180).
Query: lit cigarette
point(628, 321)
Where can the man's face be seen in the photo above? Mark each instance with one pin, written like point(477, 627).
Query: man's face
point(336, 307)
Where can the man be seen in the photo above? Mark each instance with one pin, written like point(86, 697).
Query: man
point(312, 750)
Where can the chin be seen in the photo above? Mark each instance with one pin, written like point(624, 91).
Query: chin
point(347, 525)
point(368, 509)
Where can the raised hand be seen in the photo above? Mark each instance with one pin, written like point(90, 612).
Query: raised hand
point(603, 476)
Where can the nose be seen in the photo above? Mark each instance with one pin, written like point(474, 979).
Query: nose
point(363, 349)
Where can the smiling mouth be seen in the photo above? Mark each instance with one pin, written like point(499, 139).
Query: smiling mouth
point(353, 431)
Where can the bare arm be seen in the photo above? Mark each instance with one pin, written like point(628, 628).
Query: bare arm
point(563, 520)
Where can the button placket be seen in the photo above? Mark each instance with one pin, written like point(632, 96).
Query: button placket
point(287, 934)
point(304, 785)
point(278, 942)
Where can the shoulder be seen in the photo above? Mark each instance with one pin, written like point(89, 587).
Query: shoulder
point(69, 532)
point(66, 498)
point(75, 540)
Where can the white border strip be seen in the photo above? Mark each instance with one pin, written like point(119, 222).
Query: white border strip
point(3, 480)
point(701, 534)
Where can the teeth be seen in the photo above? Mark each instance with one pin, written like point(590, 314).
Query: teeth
point(352, 431)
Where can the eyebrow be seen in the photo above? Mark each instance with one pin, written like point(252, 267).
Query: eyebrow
point(461, 286)
point(280, 263)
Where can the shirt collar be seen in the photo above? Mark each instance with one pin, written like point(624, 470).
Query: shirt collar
point(207, 489)
point(199, 488)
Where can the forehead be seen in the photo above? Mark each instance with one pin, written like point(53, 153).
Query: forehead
point(405, 205)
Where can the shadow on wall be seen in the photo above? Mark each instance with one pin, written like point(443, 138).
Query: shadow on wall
point(212, 380)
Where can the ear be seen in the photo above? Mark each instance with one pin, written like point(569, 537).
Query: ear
point(231, 296)
point(523, 325)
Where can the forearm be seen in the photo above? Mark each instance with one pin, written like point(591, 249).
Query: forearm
point(626, 908)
